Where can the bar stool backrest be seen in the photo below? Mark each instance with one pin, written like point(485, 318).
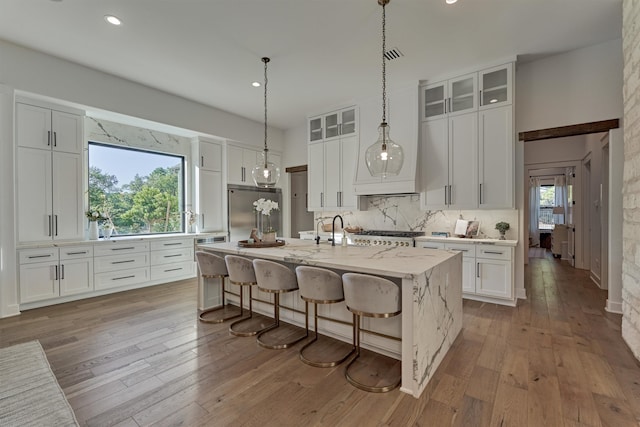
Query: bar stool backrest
point(319, 284)
point(211, 265)
point(274, 276)
point(371, 295)
point(240, 269)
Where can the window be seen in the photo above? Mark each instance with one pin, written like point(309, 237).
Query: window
point(547, 203)
point(141, 192)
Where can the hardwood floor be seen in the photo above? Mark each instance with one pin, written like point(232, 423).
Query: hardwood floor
point(142, 358)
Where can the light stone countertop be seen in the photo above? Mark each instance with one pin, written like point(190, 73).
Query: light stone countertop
point(393, 261)
point(472, 241)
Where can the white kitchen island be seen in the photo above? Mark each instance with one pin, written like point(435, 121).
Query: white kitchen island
point(431, 282)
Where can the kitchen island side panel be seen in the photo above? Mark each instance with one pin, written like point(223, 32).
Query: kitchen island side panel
point(433, 324)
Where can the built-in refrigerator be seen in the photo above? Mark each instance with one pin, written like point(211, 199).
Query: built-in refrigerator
point(242, 215)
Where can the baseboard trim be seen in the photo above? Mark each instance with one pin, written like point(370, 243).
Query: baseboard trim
point(12, 310)
point(613, 307)
point(521, 293)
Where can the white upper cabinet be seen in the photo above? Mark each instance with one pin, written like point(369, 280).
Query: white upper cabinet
point(210, 154)
point(402, 116)
point(49, 171)
point(315, 171)
point(452, 96)
point(496, 86)
point(315, 129)
point(340, 123)
point(496, 153)
point(240, 163)
point(209, 194)
point(44, 128)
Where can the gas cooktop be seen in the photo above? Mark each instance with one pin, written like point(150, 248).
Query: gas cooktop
point(390, 233)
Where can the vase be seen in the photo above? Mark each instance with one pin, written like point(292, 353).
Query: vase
point(107, 232)
point(502, 233)
point(93, 230)
point(269, 236)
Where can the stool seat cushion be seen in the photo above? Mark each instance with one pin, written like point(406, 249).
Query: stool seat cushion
point(210, 264)
point(371, 295)
point(240, 269)
point(319, 284)
point(274, 276)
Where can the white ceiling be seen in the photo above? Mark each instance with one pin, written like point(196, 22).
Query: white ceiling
point(323, 52)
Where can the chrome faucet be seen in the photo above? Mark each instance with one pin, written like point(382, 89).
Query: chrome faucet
point(317, 239)
point(333, 229)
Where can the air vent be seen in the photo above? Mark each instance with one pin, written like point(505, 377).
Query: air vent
point(393, 53)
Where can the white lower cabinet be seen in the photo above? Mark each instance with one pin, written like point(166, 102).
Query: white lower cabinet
point(172, 259)
point(51, 272)
point(121, 264)
point(487, 270)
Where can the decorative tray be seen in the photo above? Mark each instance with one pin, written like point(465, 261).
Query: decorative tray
point(246, 244)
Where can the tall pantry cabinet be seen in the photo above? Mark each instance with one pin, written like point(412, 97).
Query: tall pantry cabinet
point(49, 172)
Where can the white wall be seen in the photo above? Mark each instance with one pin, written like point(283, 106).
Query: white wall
point(594, 204)
point(555, 150)
point(584, 85)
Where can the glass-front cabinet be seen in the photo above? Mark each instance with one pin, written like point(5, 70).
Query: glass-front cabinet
point(434, 100)
point(449, 97)
point(462, 92)
point(495, 86)
point(315, 129)
point(339, 123)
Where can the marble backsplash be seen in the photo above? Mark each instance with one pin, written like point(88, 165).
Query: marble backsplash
point(403, 213)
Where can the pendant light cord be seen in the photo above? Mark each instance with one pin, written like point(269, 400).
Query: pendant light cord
point(266, 150)
point(384, 66)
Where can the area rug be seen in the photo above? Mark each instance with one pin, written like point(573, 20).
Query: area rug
point(29, 392)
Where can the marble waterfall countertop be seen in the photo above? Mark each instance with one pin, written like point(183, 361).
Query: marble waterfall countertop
point(431, 284)
point(471, 241)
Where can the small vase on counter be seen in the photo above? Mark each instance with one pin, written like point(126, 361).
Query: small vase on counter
point(93, 230)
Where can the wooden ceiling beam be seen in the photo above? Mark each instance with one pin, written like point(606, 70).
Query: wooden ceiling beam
point(573, 130)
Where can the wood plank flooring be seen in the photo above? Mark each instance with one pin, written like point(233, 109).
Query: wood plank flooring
point(142, 358)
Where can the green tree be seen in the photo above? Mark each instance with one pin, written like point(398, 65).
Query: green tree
point(100, 185)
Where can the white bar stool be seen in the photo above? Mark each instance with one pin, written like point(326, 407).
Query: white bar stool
point(214, 267)
point(275, 278)
point(241, 273)
point(370, 296)
point(319, 286)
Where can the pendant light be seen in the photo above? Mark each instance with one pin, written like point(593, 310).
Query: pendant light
point(265, 173)
point(384, 157)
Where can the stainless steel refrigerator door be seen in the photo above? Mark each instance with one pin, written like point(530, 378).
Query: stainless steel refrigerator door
point(242, 216)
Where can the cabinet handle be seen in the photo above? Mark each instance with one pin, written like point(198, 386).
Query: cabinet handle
point(445, 194)
point(477, 269)
point(48, 138)
point(123, 249)
point(62, 272)
point(56, 227)
point(243, 173)
point(202, 216)
point(123, 262)
point(124, 277)
point(494, 252)
point(450, 109)
point(173, 269)
point(55, 139)
point(76, 253)
point(39, 256)
point(321, 200)
point(338, 198)
point(480, 101)
point(171, 244)
point(480, 194)
point(56, 271)
point(49, 225)
point(201, 161)
point(172, 256)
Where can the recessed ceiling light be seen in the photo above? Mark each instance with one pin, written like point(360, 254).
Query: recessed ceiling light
point(255, 84)
point(113, 20)
point(451, 1)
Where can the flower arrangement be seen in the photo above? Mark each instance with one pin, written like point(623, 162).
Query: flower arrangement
point(265, 206)
point(95, 215)
point(502, 226)
point(190, 216)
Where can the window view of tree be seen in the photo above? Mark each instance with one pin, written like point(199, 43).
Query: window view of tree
point(140, 192)
point(547, 202)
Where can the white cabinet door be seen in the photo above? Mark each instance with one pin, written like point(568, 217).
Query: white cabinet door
point(315, 129)
point(67, 196)
point(235, 166)
point(348, 159)
point(462, 94)
point(210, 156)
point(33, 126)
point(34, 184)
point(39, 282)
point(315, 170)
point(495, 86)
point(496, 158)
point(76, 276)
point(211, 201)
point(493, 278)
point(332, 156)
point(463, 164)
point(67, 132)
point(434, 164)
point(433, 100)
point(469, 275)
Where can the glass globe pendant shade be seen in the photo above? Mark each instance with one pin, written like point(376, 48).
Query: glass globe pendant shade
point(384, 157)
point(265, 174)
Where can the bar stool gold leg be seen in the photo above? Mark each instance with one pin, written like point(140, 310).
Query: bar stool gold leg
point(231, 326)
point(224, 305)
point(318, 364)
point(276, 324)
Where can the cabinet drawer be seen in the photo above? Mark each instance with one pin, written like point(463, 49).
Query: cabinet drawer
point(120, 248)
point(171, 256)
point(121, 262)
point(116, 279)
point(430, 245)
point(159, 245)
point(29, 256)
point(468, 251)
point(74, 252)
point(173, 271)
point(494, 252)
